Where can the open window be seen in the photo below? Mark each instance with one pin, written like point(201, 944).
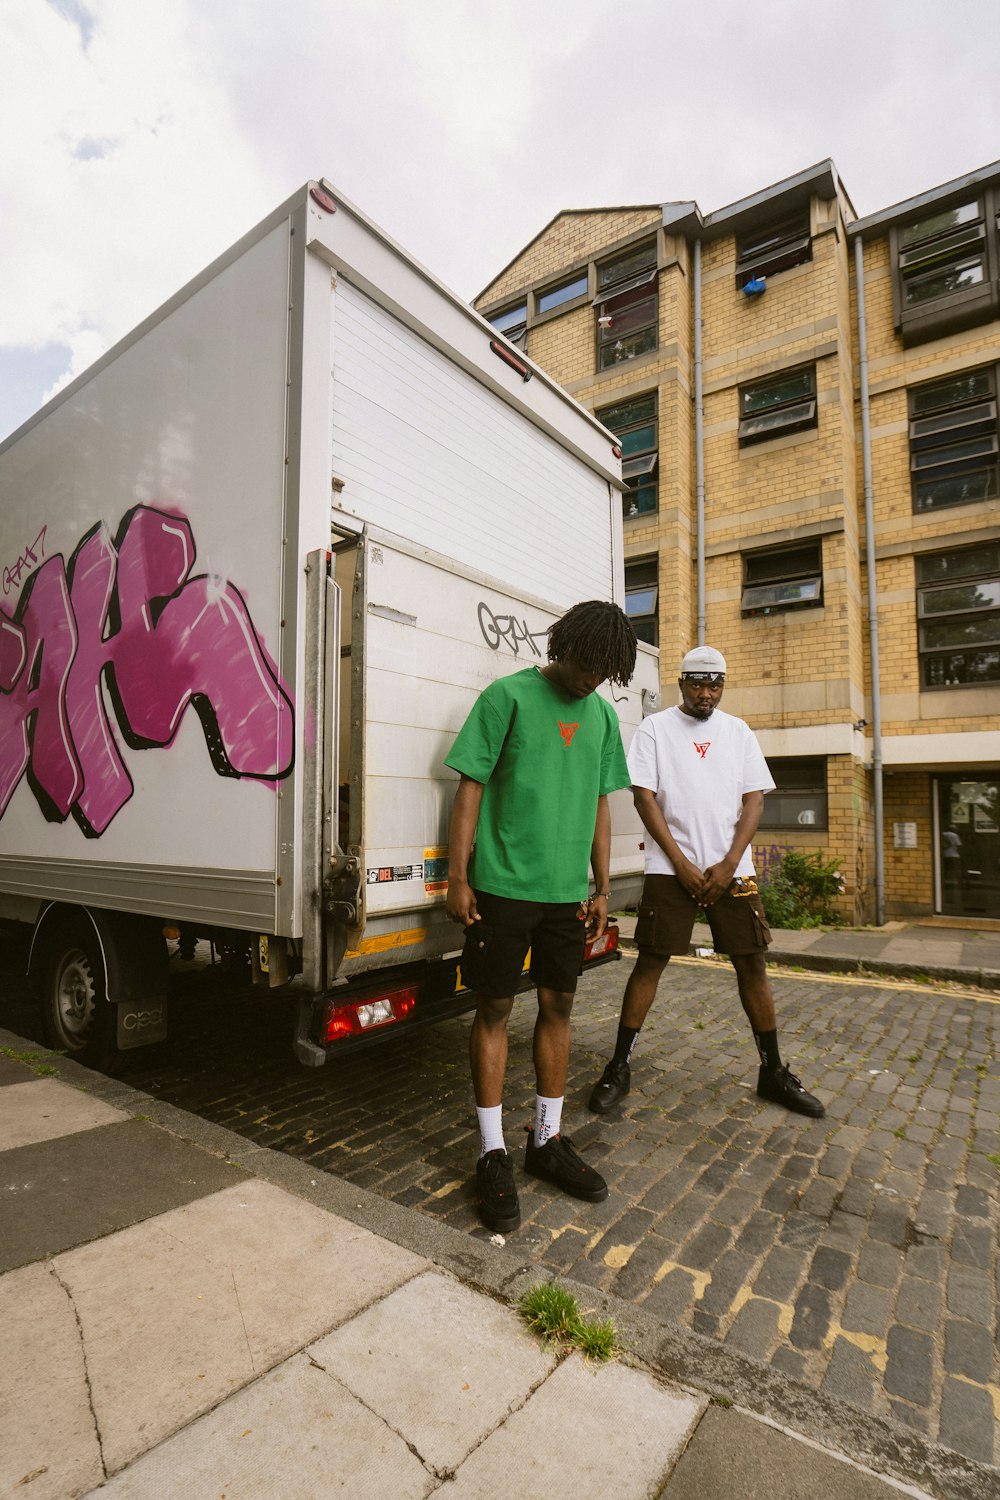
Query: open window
point(783, 403)
point(945, 265)
point(512, 322)
point(953, 441)
point(958, 617)
point(627, 306)
point(773, 247)
point(635, 426)
point(783, 578)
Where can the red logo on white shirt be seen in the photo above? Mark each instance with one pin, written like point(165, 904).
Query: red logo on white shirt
point(567, 731)
point(702, 749)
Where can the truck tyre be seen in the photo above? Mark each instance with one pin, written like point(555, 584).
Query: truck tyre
point(76, 1015)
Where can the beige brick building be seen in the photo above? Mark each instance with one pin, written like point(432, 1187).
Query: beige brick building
point(754, 384)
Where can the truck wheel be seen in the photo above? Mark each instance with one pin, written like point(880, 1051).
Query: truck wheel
point(75, 1012)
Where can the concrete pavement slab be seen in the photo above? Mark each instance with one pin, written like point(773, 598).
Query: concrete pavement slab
point(43, 1109)
point(48, 1440)
point(589, 1430)
point(65, 1192)
point(733, 1454)
point(441, 1364)
point(930, 952)
point(179, 1312)
point(296, 1434)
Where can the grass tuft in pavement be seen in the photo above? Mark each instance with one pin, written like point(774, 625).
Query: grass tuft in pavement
point(553, 1313)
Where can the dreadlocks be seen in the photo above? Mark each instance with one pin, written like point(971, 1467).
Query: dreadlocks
point(598, 635)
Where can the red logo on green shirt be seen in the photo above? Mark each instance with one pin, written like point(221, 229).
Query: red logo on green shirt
point(567, 731)
point(702, 749)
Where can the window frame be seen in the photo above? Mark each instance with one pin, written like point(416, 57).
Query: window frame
point(795, 413)
point(938, 431)
point(515, 333)
point(813, 786)
point(649, 619)
point(775, 246)
point(800, 571)
point(639, 463)
point(579, 279)
point(917, 258)
point(928, 587)
point(622, 282)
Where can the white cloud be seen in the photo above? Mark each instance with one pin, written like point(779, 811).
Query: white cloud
point(141, 137)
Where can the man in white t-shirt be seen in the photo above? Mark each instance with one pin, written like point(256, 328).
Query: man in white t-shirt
point(698, 780)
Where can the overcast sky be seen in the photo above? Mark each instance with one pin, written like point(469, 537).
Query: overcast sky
point(141, 137)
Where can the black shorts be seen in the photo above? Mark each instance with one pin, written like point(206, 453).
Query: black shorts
point(667, 915)
point(497, 945)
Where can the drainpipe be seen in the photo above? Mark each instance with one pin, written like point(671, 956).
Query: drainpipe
point(866, 449)
point(699, 448)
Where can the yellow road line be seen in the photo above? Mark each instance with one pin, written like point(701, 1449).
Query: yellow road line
point(821, 976)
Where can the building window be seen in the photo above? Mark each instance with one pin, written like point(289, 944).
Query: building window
point(783, 578)
point(782, 403)
point(634, 425)
point(958, 617)
point(555, 296)
point(627, 306)
point(512, 323)
point(773, 247)
point(946, 270)
point(641, 596)
point(799, 797)
point(953, 441)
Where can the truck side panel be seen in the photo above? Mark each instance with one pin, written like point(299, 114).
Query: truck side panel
point(141, 622)
point(424, 450)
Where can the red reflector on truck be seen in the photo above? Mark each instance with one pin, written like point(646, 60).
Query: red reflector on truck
point(365, 1015)
point(606, 943)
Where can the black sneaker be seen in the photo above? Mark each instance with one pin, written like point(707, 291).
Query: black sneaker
point(781, 1086)
point(498, 1205)
point(558, 1162)
point(614, 1084)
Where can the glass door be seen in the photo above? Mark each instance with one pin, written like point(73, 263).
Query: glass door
point(969, 846)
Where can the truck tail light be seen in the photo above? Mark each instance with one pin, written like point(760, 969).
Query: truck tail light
point(606, 943)
point(365, 1015)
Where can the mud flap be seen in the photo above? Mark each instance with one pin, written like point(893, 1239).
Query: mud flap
point(141, 1022)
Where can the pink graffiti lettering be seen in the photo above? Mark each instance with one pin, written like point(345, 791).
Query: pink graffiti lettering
point(128, 614)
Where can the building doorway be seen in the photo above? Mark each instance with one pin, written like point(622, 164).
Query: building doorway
point(968, 846)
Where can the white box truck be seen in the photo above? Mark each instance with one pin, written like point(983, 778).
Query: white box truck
point(257, 563)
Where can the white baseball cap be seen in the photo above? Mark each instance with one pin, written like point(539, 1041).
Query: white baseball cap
point(704, 659)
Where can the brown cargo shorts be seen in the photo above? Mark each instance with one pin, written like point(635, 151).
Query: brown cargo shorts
point(667, 916)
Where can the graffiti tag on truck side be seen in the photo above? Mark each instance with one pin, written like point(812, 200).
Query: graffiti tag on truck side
point(28, 559)
point(128, 614)
point(497, 628)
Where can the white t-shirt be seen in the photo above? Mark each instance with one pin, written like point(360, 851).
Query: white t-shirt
point(699, 770)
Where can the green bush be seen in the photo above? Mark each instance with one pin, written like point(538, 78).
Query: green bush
point(801, 891)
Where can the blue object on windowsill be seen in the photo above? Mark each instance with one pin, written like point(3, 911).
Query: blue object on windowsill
point(755, 286)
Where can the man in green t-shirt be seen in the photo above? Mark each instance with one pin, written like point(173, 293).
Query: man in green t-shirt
point(538, 755)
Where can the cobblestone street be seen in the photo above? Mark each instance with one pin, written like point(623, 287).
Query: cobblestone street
point(857, 1254)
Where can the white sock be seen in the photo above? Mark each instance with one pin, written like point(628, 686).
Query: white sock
point(548, 1118)
point(490, 1128)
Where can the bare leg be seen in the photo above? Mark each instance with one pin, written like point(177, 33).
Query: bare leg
point(550, 1047)
point(755, 990)
point(640, 991)
point(488, 1050)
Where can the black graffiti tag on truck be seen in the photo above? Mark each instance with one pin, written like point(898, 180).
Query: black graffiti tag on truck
point(28, 558)
point(513, 632)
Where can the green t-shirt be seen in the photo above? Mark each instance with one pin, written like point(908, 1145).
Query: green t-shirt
point(544, 759)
